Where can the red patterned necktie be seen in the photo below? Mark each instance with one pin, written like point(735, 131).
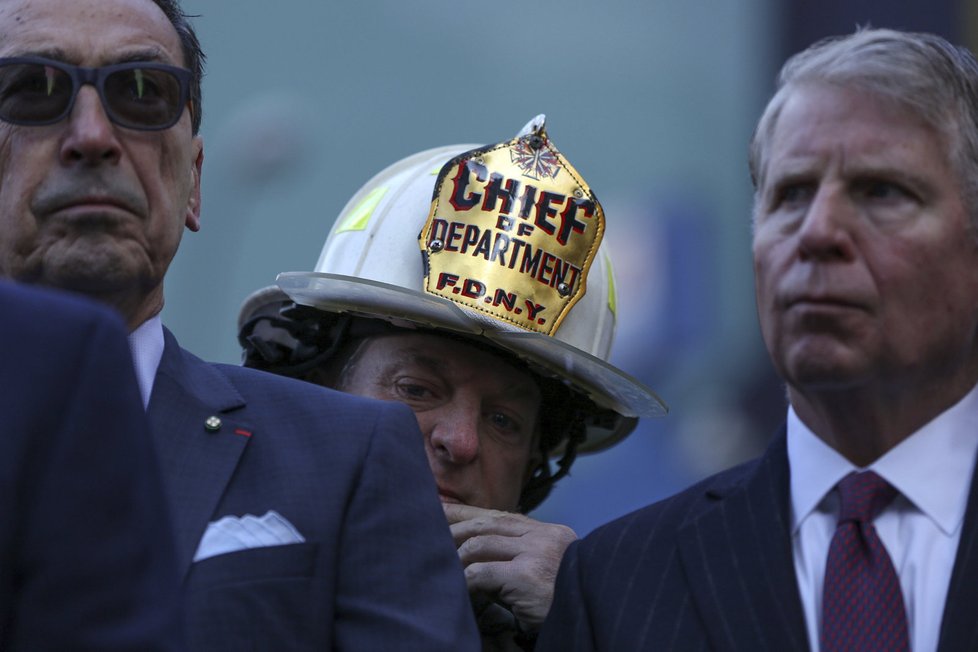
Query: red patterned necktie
point(862, 605)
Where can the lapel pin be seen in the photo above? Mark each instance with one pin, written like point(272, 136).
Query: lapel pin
point(212, 424)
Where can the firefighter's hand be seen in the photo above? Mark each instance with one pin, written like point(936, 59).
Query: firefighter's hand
point(510, 557)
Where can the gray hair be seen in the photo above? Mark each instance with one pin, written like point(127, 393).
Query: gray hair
point(933, 78)
point(193, 55)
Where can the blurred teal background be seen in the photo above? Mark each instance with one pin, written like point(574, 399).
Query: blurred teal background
point(652, 101)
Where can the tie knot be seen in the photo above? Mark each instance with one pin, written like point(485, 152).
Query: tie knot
point(863, 496)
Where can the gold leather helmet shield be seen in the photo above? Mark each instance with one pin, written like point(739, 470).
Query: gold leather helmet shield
point(512, 232)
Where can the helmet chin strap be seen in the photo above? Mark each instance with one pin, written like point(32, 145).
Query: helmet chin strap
point(542, 481)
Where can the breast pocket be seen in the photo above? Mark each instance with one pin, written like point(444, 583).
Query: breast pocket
point(259, 599)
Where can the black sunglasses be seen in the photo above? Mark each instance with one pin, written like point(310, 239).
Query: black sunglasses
point(140, 95)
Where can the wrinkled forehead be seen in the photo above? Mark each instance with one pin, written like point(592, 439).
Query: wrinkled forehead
point(449, 355)
point(88, 32)
point(943, 128)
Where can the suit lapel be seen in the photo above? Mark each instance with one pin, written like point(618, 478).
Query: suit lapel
point(739, 561)
point(196, 461)
point(959, 626)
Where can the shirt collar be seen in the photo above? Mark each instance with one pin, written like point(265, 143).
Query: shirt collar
point(146, 347)
point(932, 468)
point(815, 467)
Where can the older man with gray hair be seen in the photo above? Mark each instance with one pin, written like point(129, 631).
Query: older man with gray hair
point(857, 528)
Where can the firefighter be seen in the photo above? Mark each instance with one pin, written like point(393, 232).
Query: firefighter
point(472, 283)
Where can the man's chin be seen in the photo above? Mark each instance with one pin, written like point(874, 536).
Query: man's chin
point(825, 375)
point(824, 363)
point(104, 269)
point(88, 282)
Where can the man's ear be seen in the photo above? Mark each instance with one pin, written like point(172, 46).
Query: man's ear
point(193, 202)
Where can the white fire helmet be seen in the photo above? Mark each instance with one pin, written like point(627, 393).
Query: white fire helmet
point(500, 243)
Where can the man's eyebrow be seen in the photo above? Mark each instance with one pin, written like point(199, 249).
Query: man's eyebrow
point(416, 358)
point(55, 53)
point(793, 168)
point(895, 172)
point(438, 366)
point(150, 54)
point(147, 54)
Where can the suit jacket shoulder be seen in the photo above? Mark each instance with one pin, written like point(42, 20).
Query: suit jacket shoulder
point(709, 568)
point(712, 568)
point(86, 561)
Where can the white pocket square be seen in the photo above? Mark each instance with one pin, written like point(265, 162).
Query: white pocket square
point(233, 533)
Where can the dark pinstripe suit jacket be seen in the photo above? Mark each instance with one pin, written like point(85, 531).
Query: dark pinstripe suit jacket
point(712, 569)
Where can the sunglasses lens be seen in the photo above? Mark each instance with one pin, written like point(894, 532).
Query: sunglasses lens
point(144, 97)
point(32, 93)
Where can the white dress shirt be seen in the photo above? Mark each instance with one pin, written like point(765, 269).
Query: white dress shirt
point(920, 529)
point(146, 347)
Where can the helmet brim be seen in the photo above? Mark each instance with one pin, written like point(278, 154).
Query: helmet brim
point(607, 386)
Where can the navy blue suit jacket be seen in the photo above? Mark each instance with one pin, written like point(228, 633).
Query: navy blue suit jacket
point(378, 569)
point(712, 569)
point(86, 555)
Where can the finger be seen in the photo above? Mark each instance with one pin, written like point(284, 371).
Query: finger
point(490, 548)
point(524, 594)
point(492, 522)
point(492, 578)
point(456, 512)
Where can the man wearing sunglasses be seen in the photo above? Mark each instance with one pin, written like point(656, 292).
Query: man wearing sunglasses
point(284, 496)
